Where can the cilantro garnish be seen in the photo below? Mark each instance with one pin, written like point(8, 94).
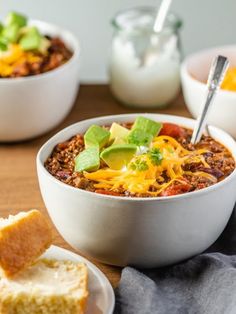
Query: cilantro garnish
point(155, 156)
point(139, 137)
point(139, 165)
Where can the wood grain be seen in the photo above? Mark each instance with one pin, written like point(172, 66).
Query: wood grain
point(19, 188)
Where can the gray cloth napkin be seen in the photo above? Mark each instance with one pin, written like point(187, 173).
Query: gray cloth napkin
point(205, 284)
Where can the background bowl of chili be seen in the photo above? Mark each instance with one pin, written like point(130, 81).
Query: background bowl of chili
point(140, 231)
point(194, 73)
point(32, 105)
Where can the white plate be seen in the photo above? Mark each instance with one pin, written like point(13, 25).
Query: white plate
point(101, 296)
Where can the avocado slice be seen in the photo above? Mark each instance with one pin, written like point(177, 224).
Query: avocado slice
point(139, 137)
point(31, 40)
point(118, 134)
point(16, 18)
point(10, 33)
point(96, 135)
point(118, 156)
point(88, 160)
point(147, 125)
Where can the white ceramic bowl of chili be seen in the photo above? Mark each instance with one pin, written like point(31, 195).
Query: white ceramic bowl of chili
point(145, 232)
point(31, 106)
point(194, 73)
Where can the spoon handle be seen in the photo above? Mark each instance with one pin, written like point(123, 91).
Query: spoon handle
point(215, 78)
point(161, 15)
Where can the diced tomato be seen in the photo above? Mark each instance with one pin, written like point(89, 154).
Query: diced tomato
point(172, 130)
point(176, 189)
point(106, 192)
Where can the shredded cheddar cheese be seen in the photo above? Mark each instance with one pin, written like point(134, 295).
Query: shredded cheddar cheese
point(15, 56)
point(149, 179)
point(229, 82)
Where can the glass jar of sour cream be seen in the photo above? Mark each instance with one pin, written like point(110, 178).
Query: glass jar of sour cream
point(144, 65)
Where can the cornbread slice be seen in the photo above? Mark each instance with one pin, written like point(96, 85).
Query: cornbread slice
point(46, 287)
point(23, 238)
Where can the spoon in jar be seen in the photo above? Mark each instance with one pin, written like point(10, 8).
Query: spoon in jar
point(157, 27)
point(216, 75)
point(161, 16)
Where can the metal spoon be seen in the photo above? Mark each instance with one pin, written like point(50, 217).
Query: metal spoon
point(215, 78)
point(158, 25)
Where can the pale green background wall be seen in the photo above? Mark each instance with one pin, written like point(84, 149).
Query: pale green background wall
point(206, 23)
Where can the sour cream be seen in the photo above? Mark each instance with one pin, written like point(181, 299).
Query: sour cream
point(144, 66)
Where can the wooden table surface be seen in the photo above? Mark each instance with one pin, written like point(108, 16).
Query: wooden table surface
point(19, 188)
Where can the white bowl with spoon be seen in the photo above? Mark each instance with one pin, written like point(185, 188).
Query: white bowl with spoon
point(194, 71)
point(145, 232)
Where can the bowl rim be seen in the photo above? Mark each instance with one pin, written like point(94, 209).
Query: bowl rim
point(184, 71)
point(62, 32)
point(40, 164)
